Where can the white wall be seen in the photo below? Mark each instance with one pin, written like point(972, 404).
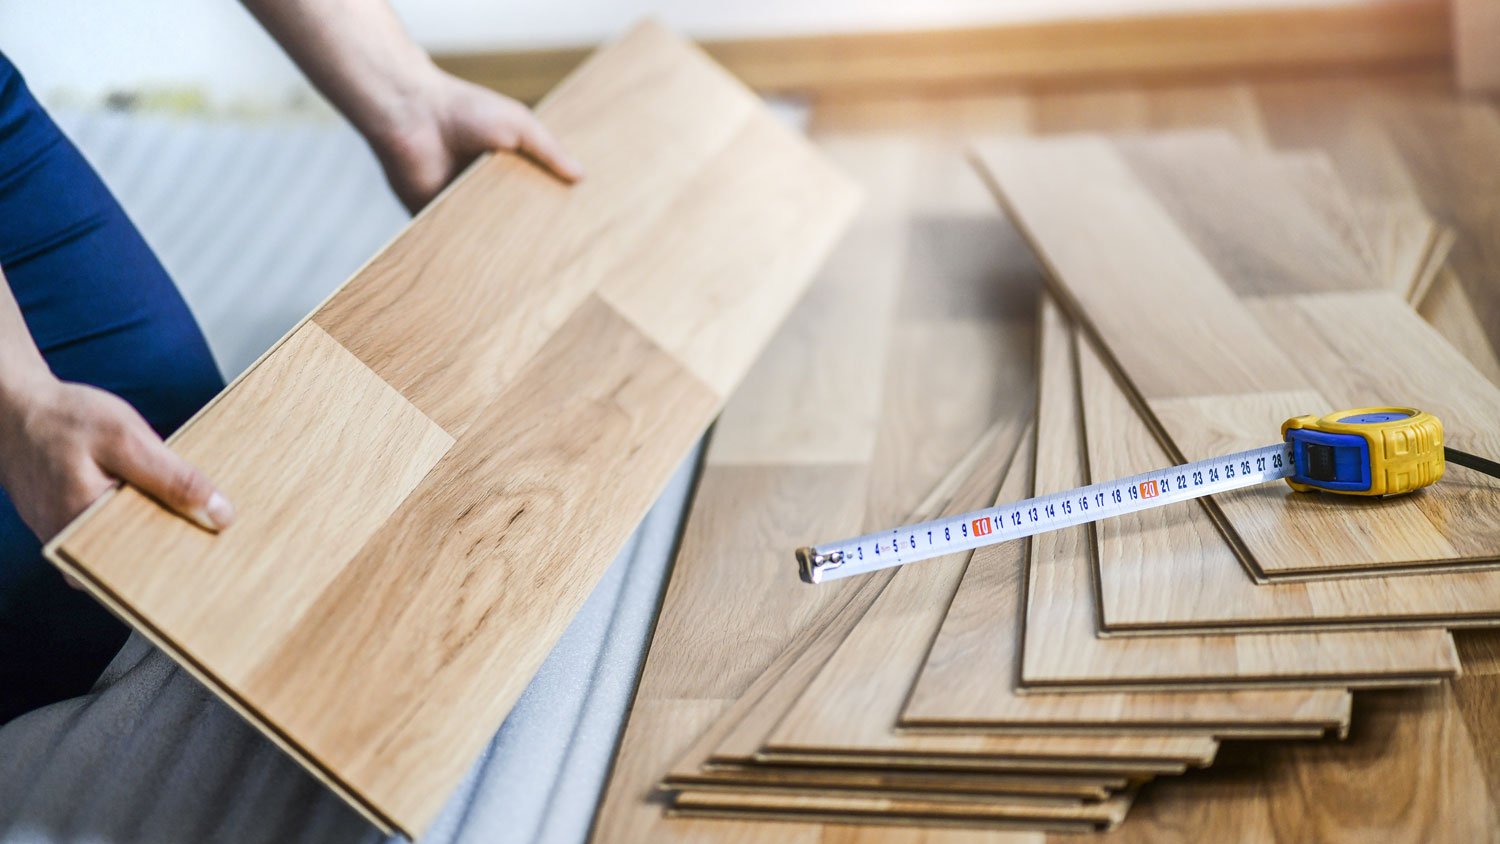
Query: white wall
point(91, 47)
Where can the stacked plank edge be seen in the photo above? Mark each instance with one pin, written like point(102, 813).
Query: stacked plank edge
point(1200, 289)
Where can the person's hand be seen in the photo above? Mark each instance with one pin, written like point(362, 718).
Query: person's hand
point(63, 445)
point(444, 123)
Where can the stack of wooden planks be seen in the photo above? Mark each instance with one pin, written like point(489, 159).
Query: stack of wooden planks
point(1199, 289)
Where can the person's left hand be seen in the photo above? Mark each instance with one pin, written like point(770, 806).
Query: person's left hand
point(445, 123)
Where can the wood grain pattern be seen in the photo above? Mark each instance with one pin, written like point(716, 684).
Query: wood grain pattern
point(1334, 117)
point(1444, 144)
point(1447, 308)
point(382, 445)
point(1009, 813)
point(1317, 184)
point(696, 674)
point(507, 382)
point(1187, 301)
point(799, 366)
point(850, 709)
point(1031, 177)
point(1204, 588)
point(1408, 772)
point(893, 783)
point(972, 672)
point(1189, 173)
point(763, 485)
point(1061, 645)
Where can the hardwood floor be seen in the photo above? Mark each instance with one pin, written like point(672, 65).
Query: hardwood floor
point(1419, 764)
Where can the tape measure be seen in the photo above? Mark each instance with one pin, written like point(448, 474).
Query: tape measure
point(1379, 451)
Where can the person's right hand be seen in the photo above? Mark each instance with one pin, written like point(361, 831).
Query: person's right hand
point(63, 445)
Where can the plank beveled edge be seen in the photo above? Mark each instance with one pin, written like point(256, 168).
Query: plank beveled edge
point(312, 764)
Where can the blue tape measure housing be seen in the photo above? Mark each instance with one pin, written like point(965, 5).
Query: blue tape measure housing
point(1335, 462)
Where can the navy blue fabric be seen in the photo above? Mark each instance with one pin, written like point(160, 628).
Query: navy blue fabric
point(104, 312)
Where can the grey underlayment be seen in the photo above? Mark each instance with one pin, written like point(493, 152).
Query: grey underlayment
point(258, 223)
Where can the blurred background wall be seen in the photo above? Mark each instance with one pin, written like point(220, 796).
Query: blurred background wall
point(82, 50)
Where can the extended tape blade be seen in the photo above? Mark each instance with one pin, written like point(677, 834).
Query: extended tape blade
point(1020, 519)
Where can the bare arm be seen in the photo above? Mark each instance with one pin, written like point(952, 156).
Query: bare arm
point(62, 445)
point(423, 124)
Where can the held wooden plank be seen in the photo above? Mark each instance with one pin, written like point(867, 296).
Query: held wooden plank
point(503, 314)
point(380, 443)
point(1062, 648)
point(645, 116)
point(513, 478)
point(971, 677)
point(1127, 265)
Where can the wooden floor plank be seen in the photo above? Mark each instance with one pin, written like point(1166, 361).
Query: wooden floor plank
point(1062, 647)
point(1013, 813)
point(734, 565)
point(1408, 772)
point(505, 393)
point(1143, 592)
point(851, 707)
point(1208, 361)
point(971, 678)
point(1449, 147)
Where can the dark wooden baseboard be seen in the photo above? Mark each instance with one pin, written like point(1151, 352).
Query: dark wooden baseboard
point(1400, 33)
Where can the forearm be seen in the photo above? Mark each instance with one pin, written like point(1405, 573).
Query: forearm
point(357, 54)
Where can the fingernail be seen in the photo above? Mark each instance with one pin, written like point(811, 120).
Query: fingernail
point(216, 515)
point(575, 170)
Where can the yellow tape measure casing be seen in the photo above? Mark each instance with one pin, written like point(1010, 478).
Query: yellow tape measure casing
point(1405, 447)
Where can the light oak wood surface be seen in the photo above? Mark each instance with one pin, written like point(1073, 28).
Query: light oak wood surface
point(1060, 624)
point(1208, 362)
point(435, 468)
point(767, 487)
point(1419, 765)
point(1445, 144)
point(718, 575)
point(932, 784)
point(1203, 587)
point(923, 359)
point(850, 707)
point(1448, 309)
point(1012, 813)
point(971, 678)
point(1311, 174)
